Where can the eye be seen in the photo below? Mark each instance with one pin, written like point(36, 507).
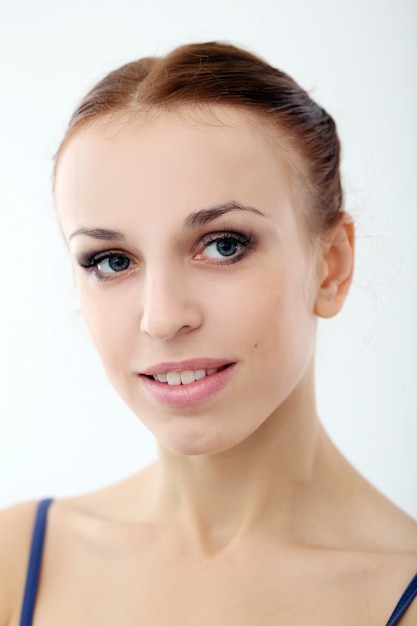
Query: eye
point(224, 248)
point(105, 265)
point(112, 263)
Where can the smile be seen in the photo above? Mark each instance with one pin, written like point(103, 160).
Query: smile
point(186, 377)
point(187, 384)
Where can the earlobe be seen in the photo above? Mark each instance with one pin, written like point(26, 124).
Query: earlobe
point(336, 267)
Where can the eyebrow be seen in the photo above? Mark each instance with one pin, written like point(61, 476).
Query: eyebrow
point(104, 234)
point(194, 220)
point(204, 216)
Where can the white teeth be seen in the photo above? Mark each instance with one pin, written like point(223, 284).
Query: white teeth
point(173, 378)
point(187, 377)
point(183, 378)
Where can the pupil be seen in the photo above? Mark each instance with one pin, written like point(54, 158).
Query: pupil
point(226, 247)
point(118, 263)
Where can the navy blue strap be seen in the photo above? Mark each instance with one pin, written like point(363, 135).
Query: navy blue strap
point(406, 599)
point(35, 560)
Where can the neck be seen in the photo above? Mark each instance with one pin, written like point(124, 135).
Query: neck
point(265, 479)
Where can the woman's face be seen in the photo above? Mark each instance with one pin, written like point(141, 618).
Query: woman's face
point(193, 271)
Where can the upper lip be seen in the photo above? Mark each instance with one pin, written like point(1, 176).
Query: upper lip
point(188, 364)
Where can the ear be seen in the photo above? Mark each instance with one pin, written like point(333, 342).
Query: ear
point(335, 267)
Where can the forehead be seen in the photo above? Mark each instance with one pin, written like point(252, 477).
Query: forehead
point(187, 159)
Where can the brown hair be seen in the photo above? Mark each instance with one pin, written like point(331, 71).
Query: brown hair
point(217, 73)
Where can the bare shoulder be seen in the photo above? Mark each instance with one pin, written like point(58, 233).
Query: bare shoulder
point(68, 517)
point(370, 520)
point(386, 536)
point(388, 525)
point(400, 539)
point(16, 526)
point(125, 500)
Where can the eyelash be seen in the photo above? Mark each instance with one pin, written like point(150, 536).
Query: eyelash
point(244, 242)
point(90, 260)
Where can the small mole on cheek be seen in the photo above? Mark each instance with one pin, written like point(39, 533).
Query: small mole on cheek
point(255, 345)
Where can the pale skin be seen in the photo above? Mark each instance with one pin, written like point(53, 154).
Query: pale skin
point(250, 516)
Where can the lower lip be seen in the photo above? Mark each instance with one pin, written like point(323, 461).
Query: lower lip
point(182, 396)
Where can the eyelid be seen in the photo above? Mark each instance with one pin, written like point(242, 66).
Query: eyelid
point(245, 241)
point(89, 261)
point(226, 234)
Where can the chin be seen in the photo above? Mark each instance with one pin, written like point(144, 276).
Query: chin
point(196, 445)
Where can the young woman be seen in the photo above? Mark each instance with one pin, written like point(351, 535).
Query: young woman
point(200, 198)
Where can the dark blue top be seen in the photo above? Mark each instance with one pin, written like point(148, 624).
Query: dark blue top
point(35, 561)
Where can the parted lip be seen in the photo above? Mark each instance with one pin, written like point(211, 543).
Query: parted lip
point(188, 364)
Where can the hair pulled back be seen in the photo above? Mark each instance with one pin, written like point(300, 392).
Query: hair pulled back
point(217, 73)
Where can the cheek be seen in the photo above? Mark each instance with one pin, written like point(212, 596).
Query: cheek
point(109, 324)
point(279, 325)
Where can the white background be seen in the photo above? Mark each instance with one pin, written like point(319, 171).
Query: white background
point(62, 428)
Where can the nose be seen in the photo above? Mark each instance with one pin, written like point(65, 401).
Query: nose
point(169, 306)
